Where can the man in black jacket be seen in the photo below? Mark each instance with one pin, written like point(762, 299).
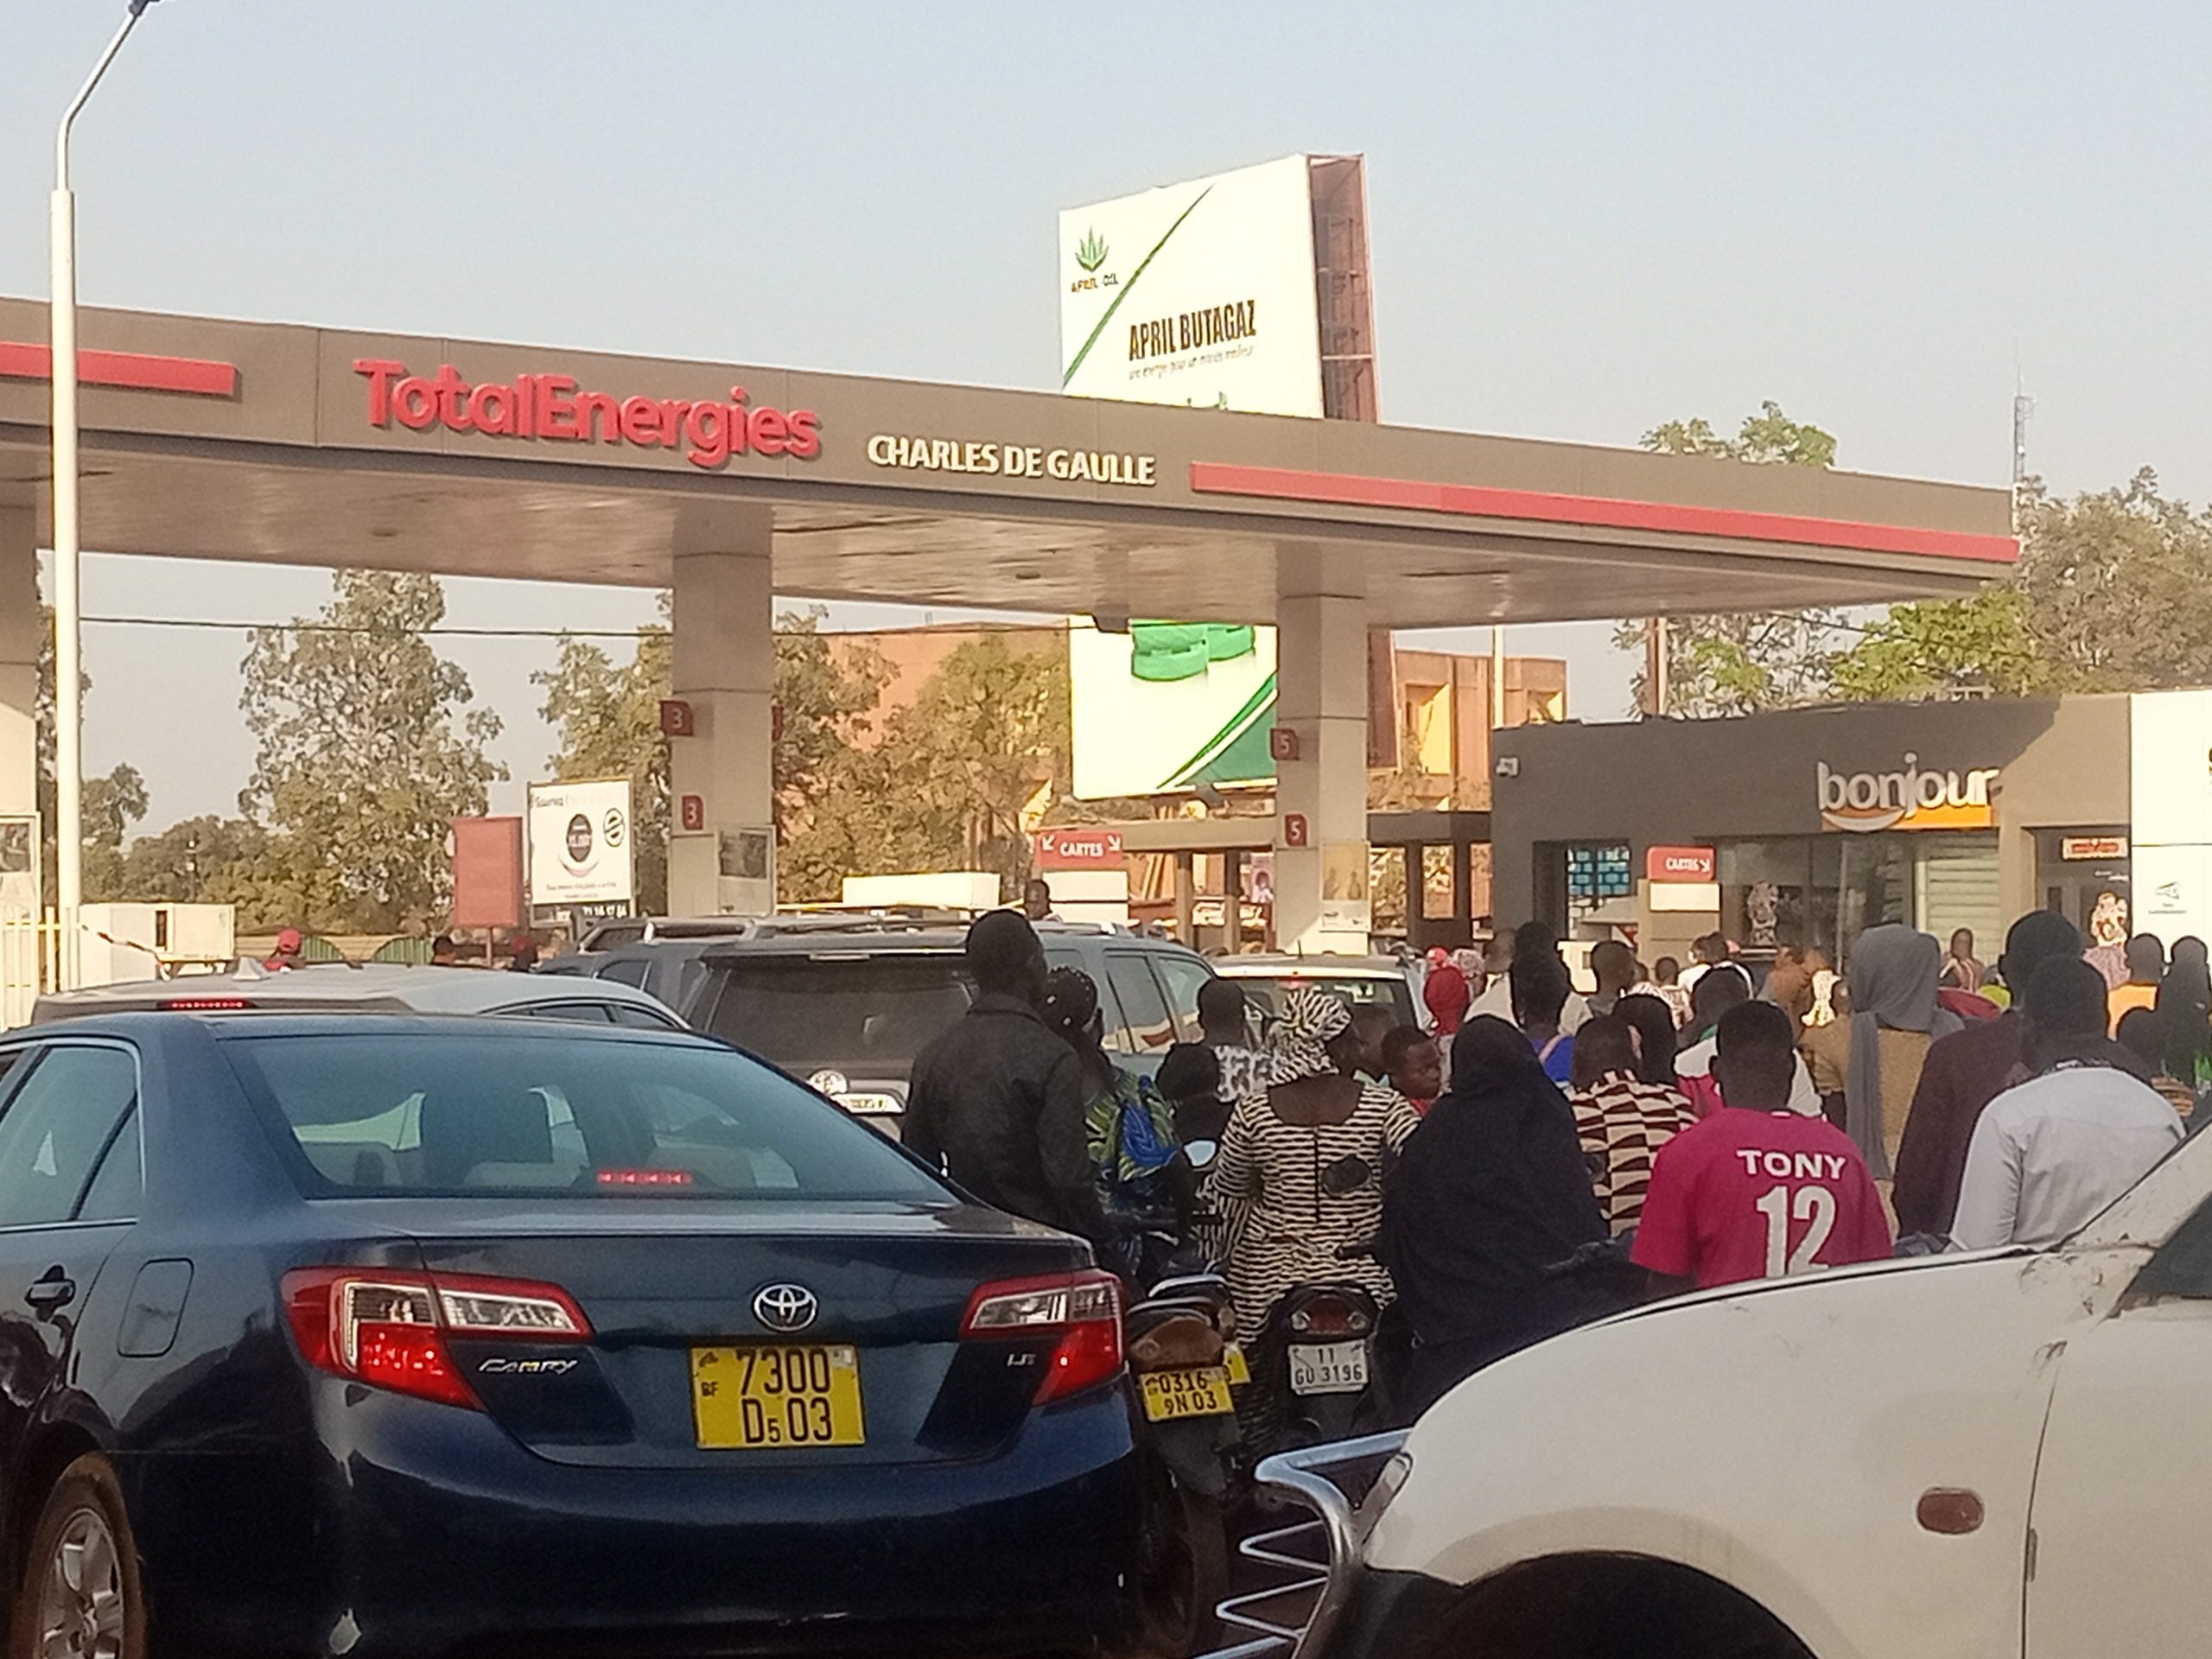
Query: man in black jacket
point(998, 1100)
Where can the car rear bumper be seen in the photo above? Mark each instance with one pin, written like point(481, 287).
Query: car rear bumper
point(426, 1530)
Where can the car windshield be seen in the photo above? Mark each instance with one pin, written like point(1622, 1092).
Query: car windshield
point(865, 1015)
point(1382, 990)
point(406, 1113)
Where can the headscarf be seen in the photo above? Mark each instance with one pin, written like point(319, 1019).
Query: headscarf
point(1653, 1024)
point(1491, 1193)
point(1894, 973)
point(2184, 1008)
point(1298, 1047)
point(1447, 993)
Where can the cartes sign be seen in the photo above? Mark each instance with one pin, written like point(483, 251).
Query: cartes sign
point(2081, 849)
point(1079, 850)
point(1678, 864)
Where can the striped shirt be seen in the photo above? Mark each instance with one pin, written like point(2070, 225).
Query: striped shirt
point(1623, 1121)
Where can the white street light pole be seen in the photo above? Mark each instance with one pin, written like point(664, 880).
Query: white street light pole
point(68, 641)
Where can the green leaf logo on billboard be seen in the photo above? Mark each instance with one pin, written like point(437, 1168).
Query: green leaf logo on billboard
point(1183, 651)
point(1090, 252)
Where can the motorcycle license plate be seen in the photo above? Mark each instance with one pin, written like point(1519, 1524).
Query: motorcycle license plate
point(1201, 1391)
point(1328, 1368)
point(1240, 1368)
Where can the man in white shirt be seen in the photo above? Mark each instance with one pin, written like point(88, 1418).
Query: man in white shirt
point(2050, 1153)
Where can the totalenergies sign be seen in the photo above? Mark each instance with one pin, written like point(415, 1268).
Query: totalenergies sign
point(1907, 799)
point(548, 408)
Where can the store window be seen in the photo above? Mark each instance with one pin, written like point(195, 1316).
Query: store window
point(2085, 877)
point(1827, 890)
point(1598, 874)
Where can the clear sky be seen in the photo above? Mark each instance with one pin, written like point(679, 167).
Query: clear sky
point(1586, 219)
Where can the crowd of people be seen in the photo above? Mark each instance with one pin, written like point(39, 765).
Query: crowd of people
point(1499, 1174)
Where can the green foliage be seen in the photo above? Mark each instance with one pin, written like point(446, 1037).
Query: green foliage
point(1735, 663)
point(947, 785)
point(187, 862)
point(368, 751)
point(2110, 594)
point(1944, 647)
point(110, 807)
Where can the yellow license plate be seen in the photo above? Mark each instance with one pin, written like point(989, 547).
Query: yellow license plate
point(1240, 1371)
point(1202, 1391)
point(755, 1398)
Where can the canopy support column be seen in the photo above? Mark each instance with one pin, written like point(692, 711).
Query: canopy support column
point(1322, 904)
point(723, 843)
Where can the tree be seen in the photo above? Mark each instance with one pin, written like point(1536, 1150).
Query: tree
point(953, 782)
point(2109, 595)
point(108, 807)
point(608, 718)
point(368, 751)
point(184, 862)
point(1732, 664)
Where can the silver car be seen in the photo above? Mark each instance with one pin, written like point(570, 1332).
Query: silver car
point(373, 988)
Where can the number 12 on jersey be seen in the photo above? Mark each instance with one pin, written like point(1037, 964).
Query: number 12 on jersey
point(1814, 1205)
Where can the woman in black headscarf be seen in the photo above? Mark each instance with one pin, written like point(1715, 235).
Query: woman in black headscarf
point(2185, 1010)
point(1490, 1196)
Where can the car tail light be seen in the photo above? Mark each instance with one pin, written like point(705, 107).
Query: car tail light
point(390, 1330)
point(1331, 1317)
point(202, 1004)
point(644, 1178)
point(1083, 1310)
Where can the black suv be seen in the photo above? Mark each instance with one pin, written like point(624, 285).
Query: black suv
point(845, 1004)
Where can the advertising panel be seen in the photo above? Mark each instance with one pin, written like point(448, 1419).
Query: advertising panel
point(2170, 811)
point(1201, 293)
point(1170, 707)
point(580, 847)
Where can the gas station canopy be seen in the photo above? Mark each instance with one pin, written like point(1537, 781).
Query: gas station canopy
point(293, 445)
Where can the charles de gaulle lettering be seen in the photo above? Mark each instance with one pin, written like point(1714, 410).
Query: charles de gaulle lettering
point(926, 455)
point(1193, 331)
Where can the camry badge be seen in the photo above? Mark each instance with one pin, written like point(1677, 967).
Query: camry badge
point(786, 1307)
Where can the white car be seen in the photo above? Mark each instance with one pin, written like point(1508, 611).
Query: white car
point(372, 988)
point(2005, 1453)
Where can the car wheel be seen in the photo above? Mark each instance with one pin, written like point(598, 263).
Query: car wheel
point(79, 1596)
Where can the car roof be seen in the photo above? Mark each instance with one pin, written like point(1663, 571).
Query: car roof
point(891, 939)
point(1272, 965)
point(128, 1022)
point(386, 986)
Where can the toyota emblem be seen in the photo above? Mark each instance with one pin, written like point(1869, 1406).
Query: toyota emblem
point(786, 1307)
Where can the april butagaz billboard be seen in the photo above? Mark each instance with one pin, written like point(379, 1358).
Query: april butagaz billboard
point(580, 848)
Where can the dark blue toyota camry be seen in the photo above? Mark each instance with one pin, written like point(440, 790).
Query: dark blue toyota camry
point(367, 1335)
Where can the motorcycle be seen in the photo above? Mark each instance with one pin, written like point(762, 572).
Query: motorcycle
point(1183, 1356)
point(1335, 1360)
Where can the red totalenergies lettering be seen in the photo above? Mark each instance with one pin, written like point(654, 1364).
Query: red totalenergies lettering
point(548, 407)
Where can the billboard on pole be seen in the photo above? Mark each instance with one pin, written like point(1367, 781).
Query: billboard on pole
point(1170, 707)
point(580, 847)
point(1202, 293)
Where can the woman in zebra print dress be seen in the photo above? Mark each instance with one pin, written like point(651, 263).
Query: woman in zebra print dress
point(1300, 1171)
